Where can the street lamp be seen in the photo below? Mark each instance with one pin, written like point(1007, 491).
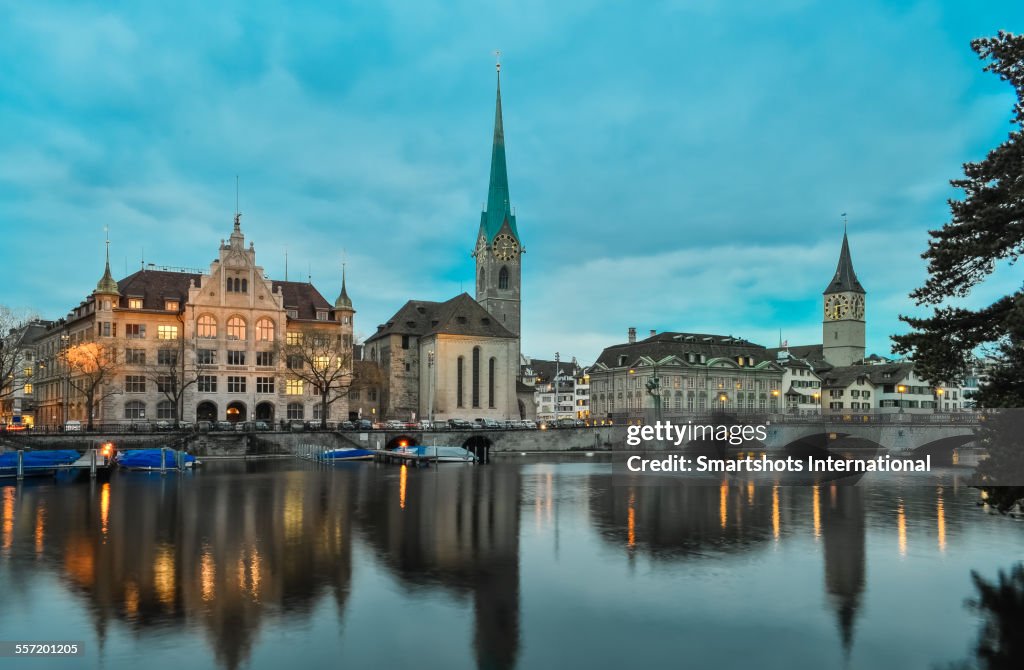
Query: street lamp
point(775, 399)
point(939, 392)
point(430, 388)
point(817, 400)
point(901, 389)
point(64, 339)
point(722, 398)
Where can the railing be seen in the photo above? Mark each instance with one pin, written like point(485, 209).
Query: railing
point(849, 417)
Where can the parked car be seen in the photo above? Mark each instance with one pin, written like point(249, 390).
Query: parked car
point(184, 425)
point(364, 424)
point(425, 424)
point(163, 425)
point(492, 424)
point(528, 424)
point(346, 425)
point(260, 425)
point(296, 426)
point(72, 426)
point(394, 424)
point(204, 426)
point(225, 425)
point(478, 423)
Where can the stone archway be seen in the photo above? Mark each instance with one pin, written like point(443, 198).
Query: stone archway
point(236, 412)
point(265, 412)
point(206, 411)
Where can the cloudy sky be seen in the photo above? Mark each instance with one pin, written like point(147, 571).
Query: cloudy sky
point(675, 165)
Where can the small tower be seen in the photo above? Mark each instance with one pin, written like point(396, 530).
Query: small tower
point(107, 292)
point(344, 313)
point(842, 327)
point(499, 249)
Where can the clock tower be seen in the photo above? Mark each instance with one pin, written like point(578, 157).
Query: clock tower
point(498, 249)
point(842, 328)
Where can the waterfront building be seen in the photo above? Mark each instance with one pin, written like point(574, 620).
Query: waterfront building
point(571, 393)
point(460, 358)
point(214, 345)
point(678, 373)
point(18, 383)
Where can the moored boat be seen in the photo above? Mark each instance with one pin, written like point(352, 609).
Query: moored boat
point(36, 463)
point(347, 454)
point(153, 459)
point(440, 454)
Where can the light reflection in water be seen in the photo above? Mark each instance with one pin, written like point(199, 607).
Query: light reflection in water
point(817, 511)
point(631, 521)
point(40, 526)
point(775, 512)
point(104, 509)
point(403, 482)
point(901, 528)
point(208, 574)
point(723, 507)
point(940, 520)
point(8, 530)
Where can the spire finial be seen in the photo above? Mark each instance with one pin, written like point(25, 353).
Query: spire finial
point(497, 60)
point(106, 284)
point(844, 223)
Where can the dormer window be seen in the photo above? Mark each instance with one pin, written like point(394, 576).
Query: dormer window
point(171, 305)
point(134, 303)
point(321, 315)
point(293, 313)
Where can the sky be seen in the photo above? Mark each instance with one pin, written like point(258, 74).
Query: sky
point(675, 165)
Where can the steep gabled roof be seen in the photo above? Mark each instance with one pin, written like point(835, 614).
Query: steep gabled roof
point(499, 208)
point(156, 286)
point(303, 297)
point(459, 316)
point(662, 345)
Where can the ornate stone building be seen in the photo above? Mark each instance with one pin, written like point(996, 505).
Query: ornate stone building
point(460, 358)
point(225, 329)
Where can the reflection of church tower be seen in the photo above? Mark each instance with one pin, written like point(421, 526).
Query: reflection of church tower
point(842, 327)
point(498, 247)
point(844, 539)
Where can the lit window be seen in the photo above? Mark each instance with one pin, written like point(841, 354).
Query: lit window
point(170, 306)
point(236, 328)
point(206, 327)
point(167, 332)
point(134, 303)
point(294, 337)
point(28, 389)
point(321, 362)
point(264, 330)
point(293, 387)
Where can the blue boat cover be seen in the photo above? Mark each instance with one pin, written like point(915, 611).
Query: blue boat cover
point(346, 453)
point(39, 459)
point(149, 458)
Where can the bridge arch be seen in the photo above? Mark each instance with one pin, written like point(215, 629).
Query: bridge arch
point(941, 450)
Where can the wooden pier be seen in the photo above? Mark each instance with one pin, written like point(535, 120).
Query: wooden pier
point(96, 461)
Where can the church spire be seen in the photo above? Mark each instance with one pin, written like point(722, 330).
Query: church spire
point(343, 301)
point(499, 209)
point(845, 279)
point(106, 284)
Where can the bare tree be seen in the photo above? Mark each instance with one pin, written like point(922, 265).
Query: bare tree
point(90, 368)
point(173, 375)
point(12, 351)
point(323, 361)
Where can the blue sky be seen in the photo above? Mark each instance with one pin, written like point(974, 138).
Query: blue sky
point(674, 165)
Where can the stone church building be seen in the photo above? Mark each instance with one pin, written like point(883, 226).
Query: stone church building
point(460, 358)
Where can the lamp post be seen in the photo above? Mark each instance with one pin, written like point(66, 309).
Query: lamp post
point(817, 401)
point(775, 399)
point(939, 392)
point(901, 389)
point(556, 389)
point(723, 398)
point(654, 388)
point(66, 380)
point(430, 388)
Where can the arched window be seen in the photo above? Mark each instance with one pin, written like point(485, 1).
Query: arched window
point(236, 328)
point(264, 330)
point(206, 327)
point(476, 376)
point(460, 373)
point(490, 380)
point(483, 279)
point(245, 285)
point(503, 277)
point(135, 409)
point(165, 409)
point(296, 412)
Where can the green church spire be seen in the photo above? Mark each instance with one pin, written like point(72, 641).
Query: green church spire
point(499, 209)
point(106, 284)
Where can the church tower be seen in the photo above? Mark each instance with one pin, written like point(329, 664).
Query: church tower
point(842, 328)
point(498, 247)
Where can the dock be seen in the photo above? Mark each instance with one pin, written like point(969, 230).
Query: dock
point(94, 461)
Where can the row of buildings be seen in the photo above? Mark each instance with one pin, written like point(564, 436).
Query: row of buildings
point(229, 343)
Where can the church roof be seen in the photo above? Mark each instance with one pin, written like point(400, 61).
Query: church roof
point(499, 208)
point(459, 316)
point(845, 278)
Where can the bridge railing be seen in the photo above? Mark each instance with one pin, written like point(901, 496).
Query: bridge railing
point(824, 417)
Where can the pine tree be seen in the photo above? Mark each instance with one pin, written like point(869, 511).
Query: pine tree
point(987, 226)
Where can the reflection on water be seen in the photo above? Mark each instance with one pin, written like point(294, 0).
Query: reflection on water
point(259, 562)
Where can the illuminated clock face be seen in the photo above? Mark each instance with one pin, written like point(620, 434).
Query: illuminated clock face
point(505, 247)
point(837, 307)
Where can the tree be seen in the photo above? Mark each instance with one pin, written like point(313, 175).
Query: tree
point(13, 376)
point(173, 375)
point(91, 367)
point(1001, 605)
point(987, 226)
point(323, 361)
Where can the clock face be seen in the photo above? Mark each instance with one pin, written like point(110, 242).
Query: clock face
point(837, 307)
point(858, 307)
point(505, 247)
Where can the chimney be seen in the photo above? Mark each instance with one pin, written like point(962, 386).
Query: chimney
point(653, 332)
point(632, 335)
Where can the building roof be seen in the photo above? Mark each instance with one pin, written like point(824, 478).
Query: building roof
point(666, 344)
point(156, 286)
point(303, 297)
point(845, 278)
point(809, 356)
point(877, 374)
point(343, 301)
point(499, 209)
point(459, 316)
point(545, 370)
